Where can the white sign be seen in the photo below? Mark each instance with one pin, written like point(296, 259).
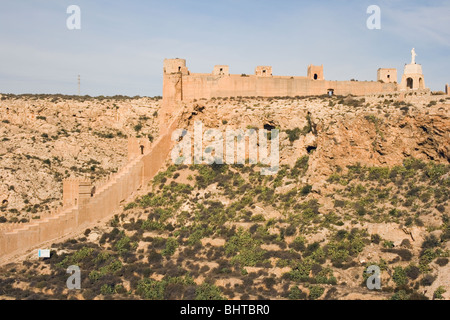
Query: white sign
point(44, 253)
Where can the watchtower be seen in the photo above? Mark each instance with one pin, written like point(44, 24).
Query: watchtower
point(387, 75)
point(315, 72)
point(263, 71)
point(221, 70)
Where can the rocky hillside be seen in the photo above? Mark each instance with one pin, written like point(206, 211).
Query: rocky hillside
point(362, 181)
point(45, 139)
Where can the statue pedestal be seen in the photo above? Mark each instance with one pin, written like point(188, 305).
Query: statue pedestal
point(412, 78)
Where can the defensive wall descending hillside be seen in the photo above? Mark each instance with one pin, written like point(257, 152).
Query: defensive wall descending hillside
point(83, 204)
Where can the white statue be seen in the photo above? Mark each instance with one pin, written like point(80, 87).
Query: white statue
point(413, 56)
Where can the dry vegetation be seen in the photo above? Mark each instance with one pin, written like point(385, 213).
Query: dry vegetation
point(308, 232)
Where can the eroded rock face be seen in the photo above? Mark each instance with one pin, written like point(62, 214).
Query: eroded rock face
point(46, 139)
point(384, 139)
point(377, 132)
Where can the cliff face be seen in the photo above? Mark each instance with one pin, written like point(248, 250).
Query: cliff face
point(337, 132)
point(382, 138)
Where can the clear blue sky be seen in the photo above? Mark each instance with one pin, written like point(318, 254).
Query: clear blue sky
point(122, 44)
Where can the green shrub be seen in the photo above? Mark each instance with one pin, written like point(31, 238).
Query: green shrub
point(298, 244)
point(171, 246)
point(306, 190)
point(315, 292)
point(439, 292)
point(106, 289)
point(400, 295)
point(293, 134)
point(296, 294)
point(138, 127)
point(244, 248)
point(399, 276)
point(131, 205)
point(208, 291)
point(151, 289)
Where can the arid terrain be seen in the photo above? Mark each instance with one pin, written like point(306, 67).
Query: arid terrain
point(363, 181)
point(45, 139)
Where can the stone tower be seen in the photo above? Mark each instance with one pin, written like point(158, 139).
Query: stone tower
point(315, 72)
point(221, 70)
point(412, 75)
point(173, 72)
point(174, 69)
point(387, 75)
point(263, 71)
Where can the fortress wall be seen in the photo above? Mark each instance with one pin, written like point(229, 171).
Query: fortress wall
point(359, 88)
point(154, 160)
point(141, 169)
point(198, 86)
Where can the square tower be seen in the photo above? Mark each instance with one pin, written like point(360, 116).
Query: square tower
point(221, 70)
point(315, 72)
point(263, 71)
point(175, 66)
point(387, 75)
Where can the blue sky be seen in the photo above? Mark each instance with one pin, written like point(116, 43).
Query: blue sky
point(122, 44)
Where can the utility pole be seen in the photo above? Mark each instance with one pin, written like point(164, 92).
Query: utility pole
point(79, 84)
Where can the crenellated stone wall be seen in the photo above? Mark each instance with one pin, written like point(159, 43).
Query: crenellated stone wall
point(84, 205)
point(180, 84)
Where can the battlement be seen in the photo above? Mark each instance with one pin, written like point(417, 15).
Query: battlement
point(172, 66)
point(387, 75)
point(83, 205)
point(263, 71)
point(315, 72)
point(181, 85)
point(221, 70)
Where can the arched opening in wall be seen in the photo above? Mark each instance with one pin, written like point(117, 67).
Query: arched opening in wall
point(388, 76)
point(420, 83)
point(142, 149)
point(179, 69)
point(330, 92)
point(315, 76)
point(409, 83)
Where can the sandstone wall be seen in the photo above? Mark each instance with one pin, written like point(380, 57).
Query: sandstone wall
point(198, 86)
point(140, 170)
